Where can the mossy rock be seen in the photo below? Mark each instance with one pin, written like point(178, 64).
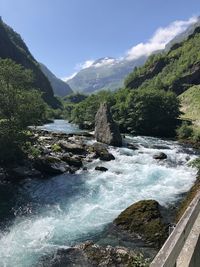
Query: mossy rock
point(144, 219)
point(188, 198)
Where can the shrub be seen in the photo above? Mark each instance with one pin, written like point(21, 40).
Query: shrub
point(184, 131)
point(56, 148)
point(196, 135)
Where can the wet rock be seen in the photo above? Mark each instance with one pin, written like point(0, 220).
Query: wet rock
point(132, 146)
point(22, 172)
point(72, 161)
point(101, 168)
point(59, 135)
point(51, 165)
point(2, 174)
point(89, 254)
point(101, 152)
point(106, 130)
point(74, 148)
point(45, 138)
point(160, 147)
point(45, 151)
point(143, 219)
point(84, 134)
point(160, 156)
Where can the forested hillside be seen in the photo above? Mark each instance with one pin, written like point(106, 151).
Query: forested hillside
point(12, 46)
point(176, 70)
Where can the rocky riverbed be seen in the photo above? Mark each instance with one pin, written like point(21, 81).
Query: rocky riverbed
point(77, 189)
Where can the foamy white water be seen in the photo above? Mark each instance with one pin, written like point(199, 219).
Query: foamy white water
point(72, 208)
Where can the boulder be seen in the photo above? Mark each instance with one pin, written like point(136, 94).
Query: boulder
point(101, 168)
point(22, 172)
point(144, 219)
point(2, 174)
point(51, 165)
point(101, 152)
point(74, 148)
point(160, 156)
point(132, 146)
point(72, 161)
point(89, 254)
point(106, 130)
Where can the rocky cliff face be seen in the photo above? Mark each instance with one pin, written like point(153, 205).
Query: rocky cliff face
point(106, 130)
point(12, 46)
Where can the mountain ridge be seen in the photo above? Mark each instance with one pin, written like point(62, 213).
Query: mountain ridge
point(12, 46)
point(60, 87)
point(104, 73)
point(109, 73)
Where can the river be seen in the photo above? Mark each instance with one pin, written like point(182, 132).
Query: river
point(40, 215)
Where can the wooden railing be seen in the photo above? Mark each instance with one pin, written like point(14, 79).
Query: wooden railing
point(169, 253)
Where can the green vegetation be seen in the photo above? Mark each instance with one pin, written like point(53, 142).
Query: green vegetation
point(150, 112)
point(74, 98)
point(13, 47)
point(56, 148)
point(140, 261)
point(144, 218)
point(190, 104)
point(193, 191)
point(188, 132)
point(184, 131)
point(175, 70)
point(20, 106)
point(147, 105)
point(81, 109)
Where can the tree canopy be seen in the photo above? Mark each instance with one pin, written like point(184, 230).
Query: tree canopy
point(20, 106)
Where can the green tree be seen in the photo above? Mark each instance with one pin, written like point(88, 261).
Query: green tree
point(20, 106)
point(84, 112)
point(152, 112)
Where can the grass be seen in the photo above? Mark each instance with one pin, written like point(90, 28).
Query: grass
point(190, 102)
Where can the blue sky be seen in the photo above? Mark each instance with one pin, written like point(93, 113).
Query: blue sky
point(64, 34)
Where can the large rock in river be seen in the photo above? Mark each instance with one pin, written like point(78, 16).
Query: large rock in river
point(145, 220)
point(106, 130)
point(89, 254)
point(49, 165)
point(102, 152)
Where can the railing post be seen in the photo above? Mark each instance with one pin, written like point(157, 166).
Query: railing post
point(170, 251)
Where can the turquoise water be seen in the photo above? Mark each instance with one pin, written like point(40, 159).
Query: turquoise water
point(43, 215)
point(60, 126)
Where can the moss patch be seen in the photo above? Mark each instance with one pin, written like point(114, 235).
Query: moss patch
point(144, 218)
point(189, 197)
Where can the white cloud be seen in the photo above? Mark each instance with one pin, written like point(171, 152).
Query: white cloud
point(79, 66)
point(65, 79)
point(158, 41)
point(160, 38)
point(84, 65)
point(104, 62)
